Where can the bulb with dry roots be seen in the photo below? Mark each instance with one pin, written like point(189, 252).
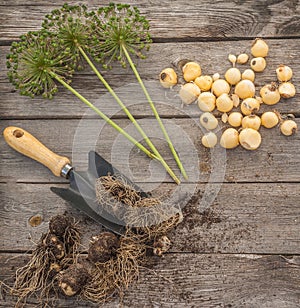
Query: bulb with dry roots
point(58, 224)
point(55, 245)
point(73, 279)
point(161, 245)
point(103, 247)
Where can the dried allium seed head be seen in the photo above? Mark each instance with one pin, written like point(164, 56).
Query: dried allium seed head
point(33, 61)
point(72, 29)
point(116, 28)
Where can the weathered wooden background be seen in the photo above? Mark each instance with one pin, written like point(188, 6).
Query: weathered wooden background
point(244, 251)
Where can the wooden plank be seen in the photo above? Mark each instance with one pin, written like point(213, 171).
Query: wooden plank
point(177, 19)
point(276, 160)
point(211, 55)
point(193, 280)
point(243, 218)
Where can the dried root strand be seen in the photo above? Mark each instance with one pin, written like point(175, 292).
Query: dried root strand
point(114, 276)
point(129, 206)
point(53, 253)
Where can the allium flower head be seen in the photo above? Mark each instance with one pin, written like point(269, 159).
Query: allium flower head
point(115, 26)
point(71, 26)
point(33, 60)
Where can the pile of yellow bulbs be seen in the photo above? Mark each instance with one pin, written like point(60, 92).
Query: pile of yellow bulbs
point(213, 92)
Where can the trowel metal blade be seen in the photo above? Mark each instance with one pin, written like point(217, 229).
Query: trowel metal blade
point(98, 167)
point(80, 203)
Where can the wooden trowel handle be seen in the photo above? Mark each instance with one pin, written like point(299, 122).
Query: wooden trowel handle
point(23, 142)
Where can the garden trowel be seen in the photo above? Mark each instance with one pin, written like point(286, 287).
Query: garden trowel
point(81, 193)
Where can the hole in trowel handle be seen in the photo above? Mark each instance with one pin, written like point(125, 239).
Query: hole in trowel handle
point(18, 133)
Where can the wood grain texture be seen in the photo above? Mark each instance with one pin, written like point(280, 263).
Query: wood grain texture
point(177, 19)
point(195, 280)
point(242, 248)
point(277, 159)
point(211, 55)
point(243, 218)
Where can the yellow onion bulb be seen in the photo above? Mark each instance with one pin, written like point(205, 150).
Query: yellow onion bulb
point(249, 138)
point(287, 90)
point(191, 71)
point(168, 78)
point(206, 101)
point(224, 103)
point(245, 89)
point(204, 82)
point(251, 121)
point(259, 48)
point(288, 127)
point(235, 119)
point(209, 140)
point(229, 138)
point(250, 105)
point(269, 119)
point(188, 93)
point(220, 86)
point(270, 94)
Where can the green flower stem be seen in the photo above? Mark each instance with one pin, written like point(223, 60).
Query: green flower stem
point(155, 112)
point(103, 116)
point(130, 116)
